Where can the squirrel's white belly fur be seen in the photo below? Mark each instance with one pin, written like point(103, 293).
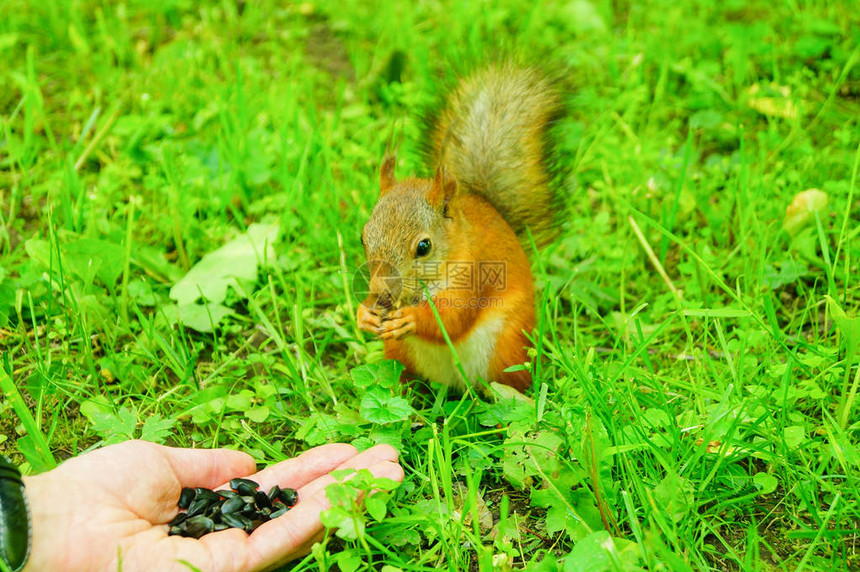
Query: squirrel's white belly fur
point(475, 350)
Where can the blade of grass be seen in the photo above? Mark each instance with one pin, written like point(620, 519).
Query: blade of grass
point(11, 393)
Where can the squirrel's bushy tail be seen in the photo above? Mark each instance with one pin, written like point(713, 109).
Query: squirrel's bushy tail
point(493, 136)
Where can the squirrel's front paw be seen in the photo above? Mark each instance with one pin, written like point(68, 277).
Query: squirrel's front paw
point(368, 320)
point(397, 325)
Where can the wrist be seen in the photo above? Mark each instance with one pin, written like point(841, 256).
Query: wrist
point(15, 539)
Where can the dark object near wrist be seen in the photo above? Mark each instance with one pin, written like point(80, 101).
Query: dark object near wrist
point(14, 517)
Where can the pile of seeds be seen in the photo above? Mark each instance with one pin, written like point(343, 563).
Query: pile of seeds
point(243, 507)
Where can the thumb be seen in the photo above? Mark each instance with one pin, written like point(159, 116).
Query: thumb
point(208, 467)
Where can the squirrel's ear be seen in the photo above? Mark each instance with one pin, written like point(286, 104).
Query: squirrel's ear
point(443, 190)
point(386, 174)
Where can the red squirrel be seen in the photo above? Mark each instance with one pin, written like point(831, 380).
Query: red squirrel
point(459, 237)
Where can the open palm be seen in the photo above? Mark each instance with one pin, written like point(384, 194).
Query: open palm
point(109, 509)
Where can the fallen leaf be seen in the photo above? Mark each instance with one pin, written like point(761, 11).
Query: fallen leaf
point(774, 101)
point(202, 317)
point(225, 267)
point(462, 503)
point(802, 209)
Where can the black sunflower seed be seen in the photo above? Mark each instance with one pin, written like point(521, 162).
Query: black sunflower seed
point(289, 497)
point(245, 507)
point(197, 526)
point(262, 500)
point(234, 504)
point(207, 494)
point(213, 508)
point(237, 521)
point(198, 507)
point(245, 487)
point(186, 496)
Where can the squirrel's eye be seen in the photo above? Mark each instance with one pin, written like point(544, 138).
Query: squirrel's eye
point(423, 248)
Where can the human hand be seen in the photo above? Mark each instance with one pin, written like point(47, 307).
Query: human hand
point(109, 509)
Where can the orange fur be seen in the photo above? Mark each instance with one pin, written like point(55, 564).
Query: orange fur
point(493, 191)
point(473, 218)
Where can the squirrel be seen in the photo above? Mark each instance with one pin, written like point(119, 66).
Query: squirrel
point(460, 236)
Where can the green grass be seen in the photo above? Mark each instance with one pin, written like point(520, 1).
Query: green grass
point(697, 403)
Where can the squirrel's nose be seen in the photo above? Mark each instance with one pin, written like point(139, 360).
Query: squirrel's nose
point(386, 284)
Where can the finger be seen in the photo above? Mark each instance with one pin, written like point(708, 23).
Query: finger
point(366, 459)
point(387, 327)
point(305, 548)
point(298, 471)
point(208, 467)
point(230, 549)
point(398, 331)
point(367, 316)
point(371, 313)
point(369, 322)
point(287, 535)
point(404, 332)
